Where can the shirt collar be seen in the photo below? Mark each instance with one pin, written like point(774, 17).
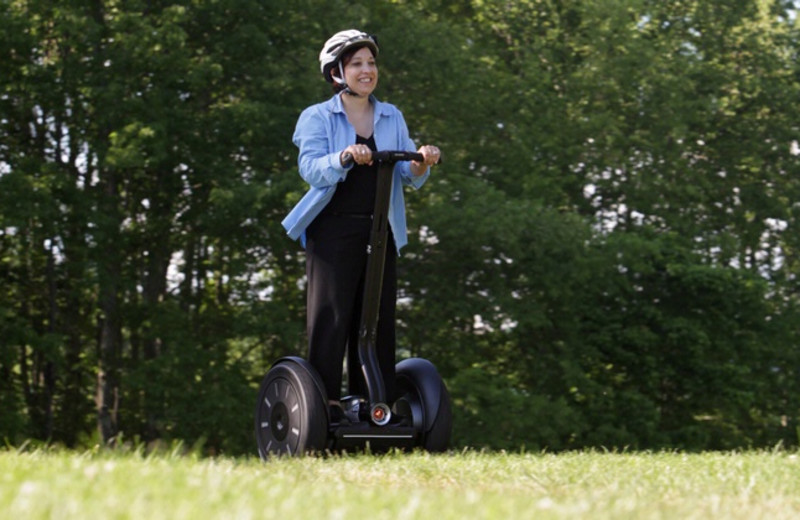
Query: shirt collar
point(338, 106)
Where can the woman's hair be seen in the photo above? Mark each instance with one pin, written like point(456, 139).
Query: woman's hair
point(345, 59)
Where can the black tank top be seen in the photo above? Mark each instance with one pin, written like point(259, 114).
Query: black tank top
point(356, 195)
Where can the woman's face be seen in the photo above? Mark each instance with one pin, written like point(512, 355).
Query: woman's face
point(361, 72)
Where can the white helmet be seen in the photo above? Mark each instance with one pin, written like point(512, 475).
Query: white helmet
point(336, 46)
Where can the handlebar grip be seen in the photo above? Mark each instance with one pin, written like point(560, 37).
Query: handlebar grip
point(347, 159)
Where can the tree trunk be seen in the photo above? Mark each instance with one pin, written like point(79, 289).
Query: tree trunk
point(109, 263)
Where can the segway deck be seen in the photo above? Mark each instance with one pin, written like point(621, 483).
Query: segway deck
point(358, 435)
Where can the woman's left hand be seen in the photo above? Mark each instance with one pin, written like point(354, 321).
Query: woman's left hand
point(430, 154)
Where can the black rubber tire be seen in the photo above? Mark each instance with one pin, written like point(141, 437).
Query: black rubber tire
point(437, 439)
point(291, 414)
point(420, 384)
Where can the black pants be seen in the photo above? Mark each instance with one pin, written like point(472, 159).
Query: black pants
point(336, 259)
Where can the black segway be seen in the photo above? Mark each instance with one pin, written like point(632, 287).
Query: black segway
point(292, 414)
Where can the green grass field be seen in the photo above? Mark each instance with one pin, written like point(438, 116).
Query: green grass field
point(58, 484)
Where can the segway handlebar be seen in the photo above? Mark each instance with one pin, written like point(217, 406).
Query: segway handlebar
point(391, 156)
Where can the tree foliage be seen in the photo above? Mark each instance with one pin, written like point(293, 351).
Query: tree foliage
point(608, 255)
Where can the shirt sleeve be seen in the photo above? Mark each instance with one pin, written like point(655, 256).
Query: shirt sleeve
point(319, 166)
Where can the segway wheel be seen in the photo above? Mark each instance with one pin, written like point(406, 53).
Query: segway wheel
point(291, 415)
point(421, 386)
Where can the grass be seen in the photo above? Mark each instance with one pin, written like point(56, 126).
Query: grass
point(57, 484)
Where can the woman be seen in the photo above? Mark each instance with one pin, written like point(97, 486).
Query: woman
point(333, 219)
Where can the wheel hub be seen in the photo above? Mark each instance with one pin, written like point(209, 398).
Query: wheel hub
point(279, 421)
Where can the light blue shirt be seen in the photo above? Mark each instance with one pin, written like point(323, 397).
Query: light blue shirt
point(322, 132)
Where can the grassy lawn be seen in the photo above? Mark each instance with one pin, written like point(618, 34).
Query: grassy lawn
point(596, 485)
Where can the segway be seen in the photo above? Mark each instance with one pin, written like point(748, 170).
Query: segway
point(292, 414)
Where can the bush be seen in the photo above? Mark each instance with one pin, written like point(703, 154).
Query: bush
point(490, 412)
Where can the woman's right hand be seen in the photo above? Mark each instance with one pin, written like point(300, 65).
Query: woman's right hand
point(360, 153)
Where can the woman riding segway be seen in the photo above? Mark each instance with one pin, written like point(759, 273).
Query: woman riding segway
point(338, 140)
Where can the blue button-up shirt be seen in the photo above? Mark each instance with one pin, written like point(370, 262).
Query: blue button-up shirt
point(322, 132)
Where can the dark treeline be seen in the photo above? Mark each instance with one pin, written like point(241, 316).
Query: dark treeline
point(608, 256)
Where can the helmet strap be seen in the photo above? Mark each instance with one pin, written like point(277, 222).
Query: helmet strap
point(341, 81)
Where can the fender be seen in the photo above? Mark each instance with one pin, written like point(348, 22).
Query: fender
point(425, 378)
point(302, 364)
